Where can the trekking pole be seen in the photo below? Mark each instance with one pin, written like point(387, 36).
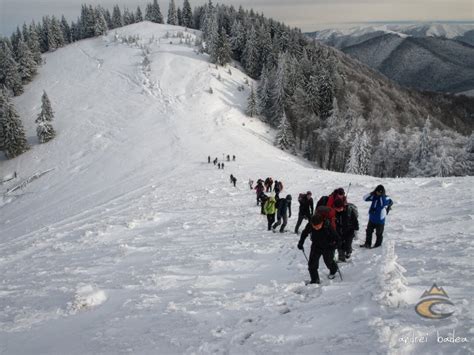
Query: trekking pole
point(348, 189)
point(339, 271)
point(305, 255)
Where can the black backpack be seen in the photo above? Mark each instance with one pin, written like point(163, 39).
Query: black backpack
point(323, 201)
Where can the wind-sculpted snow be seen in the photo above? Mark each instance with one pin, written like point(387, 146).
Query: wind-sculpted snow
point(135, 244)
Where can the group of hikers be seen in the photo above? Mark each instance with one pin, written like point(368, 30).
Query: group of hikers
point(332, 224)
point(219, 164)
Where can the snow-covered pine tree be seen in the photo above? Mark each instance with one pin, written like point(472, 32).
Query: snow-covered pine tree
point(128, 17)
point(66, 30)
point(278, 93)
point(34, 44)
point(153, 13)
point(325, 94)
point(87, 21)
point(285, 139)
point(252, 109)
point(444, 164)
point(237, 39)
point(55, 35)
point(26, 63)
point(9, 70)
point(13, 140)
point(179, 16)
point(108, 18)
point(172, 15)
point(264, 40)
point(45, 130)
point(138, 15)
point(359, 157)
point(117, 20)
point(419, 164)
point(187, 14)
point(250, 53)
point(223, 48)
point(100, 26)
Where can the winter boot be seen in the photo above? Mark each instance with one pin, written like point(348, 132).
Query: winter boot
point(331, 276)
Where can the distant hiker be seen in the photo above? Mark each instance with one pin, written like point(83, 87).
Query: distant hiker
point(306, 208)
point(251, 184)
point(215, 161)
point(228, 157)
point(283, 206)
point(259, 189)
point(270, 210)
point(278, 188)
point(323, 243)
point(233, 158)
point(218, 165)
point(234, 180)
point(379, 208)
point(268, 184)
point(222, 165)
point(347, 224)
point(231, 178)
point(209, 159)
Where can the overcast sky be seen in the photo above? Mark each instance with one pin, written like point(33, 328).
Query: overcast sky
point(306, 14)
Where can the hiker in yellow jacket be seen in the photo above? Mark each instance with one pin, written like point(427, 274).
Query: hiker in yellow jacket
point(270, 209)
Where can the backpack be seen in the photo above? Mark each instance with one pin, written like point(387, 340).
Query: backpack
point(323, 201)
point(301, 197)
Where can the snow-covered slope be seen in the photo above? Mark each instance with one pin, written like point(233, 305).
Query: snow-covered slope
point(133, 243)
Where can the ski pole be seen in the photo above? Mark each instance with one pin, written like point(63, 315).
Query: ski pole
point(339, 271)
point(305, 255)
point(348, 189)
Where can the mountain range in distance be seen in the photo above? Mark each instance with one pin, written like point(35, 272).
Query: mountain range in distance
point(428, 56)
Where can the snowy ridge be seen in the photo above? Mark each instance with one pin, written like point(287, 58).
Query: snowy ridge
point(134, 243)
point(443, 30)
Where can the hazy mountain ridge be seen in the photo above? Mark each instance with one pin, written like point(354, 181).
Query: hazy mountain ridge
point(424, 57)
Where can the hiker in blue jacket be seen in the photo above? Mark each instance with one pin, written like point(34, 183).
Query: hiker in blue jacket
point(379, 209)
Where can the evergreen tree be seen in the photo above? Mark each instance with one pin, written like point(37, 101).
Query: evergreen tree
point(444, 164)
point(100, 26)
point(179, 17)
point(172, 15)
point(237, 39)
point(117, 19)
point(26, 63)
point(223, 48)
point(325, 94)
point(128, 17)
point(187, 14)
point(12, 137)
point(66, 30)
point(43, 31)
point(55, 35)
point(250, 54)
point(34, 44)
point(9, 71)
point(108, 18)
point(87, 22)
point(278, 92)
point(212, 39)
point(264, 90)
point(359, 158)
point(420, 162)
point(45, 130)
point(285, 139)
point(153, 13)
point(138, 15)
point(252, 109)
